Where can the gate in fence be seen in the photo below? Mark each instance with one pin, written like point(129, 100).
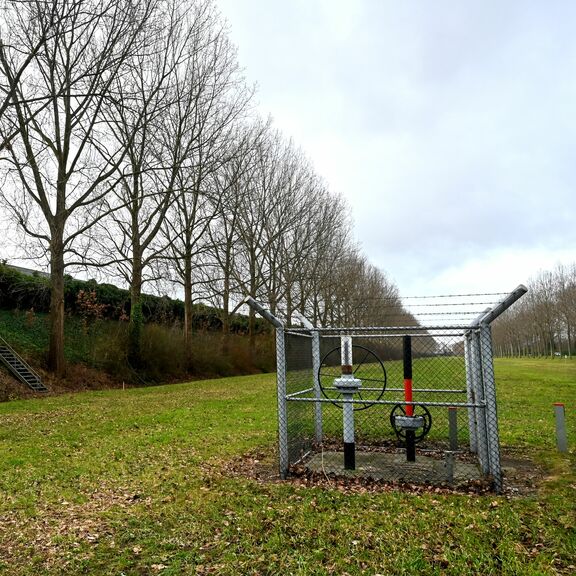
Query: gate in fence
point(400, 404)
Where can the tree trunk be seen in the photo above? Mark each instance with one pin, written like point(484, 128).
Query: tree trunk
point(226, 306)
point(136, 317)
point(225, 343)
point(252, 315)
point(226, 292)
point(56, 358)
point(188, 308)
point(289, 308)
point(252, 333)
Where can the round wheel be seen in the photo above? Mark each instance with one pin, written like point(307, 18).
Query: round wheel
point(419, 410)
point(367, 367)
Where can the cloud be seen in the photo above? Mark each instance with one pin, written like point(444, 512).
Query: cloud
point(448, 126)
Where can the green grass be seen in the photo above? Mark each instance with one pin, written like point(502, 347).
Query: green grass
point(138, 482)
point(527, 390)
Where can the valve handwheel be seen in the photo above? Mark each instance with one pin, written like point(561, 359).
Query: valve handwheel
point(367, 367)
point(419, 411)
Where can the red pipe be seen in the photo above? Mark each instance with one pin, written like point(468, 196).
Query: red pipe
point(408, 396)
point(407, 345)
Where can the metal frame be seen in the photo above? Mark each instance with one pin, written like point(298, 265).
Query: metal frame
point(480, 392)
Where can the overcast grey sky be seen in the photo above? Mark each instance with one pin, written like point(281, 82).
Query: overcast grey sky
point(448, 126)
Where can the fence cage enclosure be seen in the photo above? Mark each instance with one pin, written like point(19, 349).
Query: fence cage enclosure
point(401, 404)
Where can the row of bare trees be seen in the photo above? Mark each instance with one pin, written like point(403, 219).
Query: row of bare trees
point(128, 143)
point(543, 323)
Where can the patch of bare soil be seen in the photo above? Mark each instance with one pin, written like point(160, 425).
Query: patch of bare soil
point(78, 378)
point(522, 476)
point(11, 389)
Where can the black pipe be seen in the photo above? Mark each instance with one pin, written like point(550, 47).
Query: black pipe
point(407, 342)
point(410, 446)
point(349, 456)
point(410, 434)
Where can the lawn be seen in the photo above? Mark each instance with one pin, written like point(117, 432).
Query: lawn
point(139, 482)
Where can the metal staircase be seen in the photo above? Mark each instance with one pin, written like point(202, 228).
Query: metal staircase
point(20, 368)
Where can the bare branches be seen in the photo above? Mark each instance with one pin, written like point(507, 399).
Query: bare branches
point(544, 322)
point(127, 142)
point(73, 53)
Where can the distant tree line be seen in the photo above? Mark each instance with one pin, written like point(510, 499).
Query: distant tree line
point(129, 143)
point(543, 322)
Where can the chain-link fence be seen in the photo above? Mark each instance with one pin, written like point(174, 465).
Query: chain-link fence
point(400, 404)
point(453, 404)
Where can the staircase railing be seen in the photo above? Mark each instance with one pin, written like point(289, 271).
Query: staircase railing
point(20, 368)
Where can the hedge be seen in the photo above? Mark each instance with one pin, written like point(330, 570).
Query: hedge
point(32, 291)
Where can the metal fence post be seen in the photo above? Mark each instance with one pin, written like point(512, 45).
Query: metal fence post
point(480, 409)
point(489, 385)
point(470, 396)
point(282, 409)
point(317, 389)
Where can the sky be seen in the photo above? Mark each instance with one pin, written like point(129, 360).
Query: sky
point(449, 127)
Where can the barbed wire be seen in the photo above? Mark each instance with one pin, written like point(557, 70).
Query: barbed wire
point(453, 304)
point(460, 312)
point(456, 295)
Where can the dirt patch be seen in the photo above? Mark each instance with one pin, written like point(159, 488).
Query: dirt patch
point(57, 532)
point(78, 378)
point(522, 476)
point(11, 389)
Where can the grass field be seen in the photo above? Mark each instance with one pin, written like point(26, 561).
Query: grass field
point(138, 482)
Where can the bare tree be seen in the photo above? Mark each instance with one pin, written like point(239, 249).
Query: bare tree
point(232, 184)
point(199, 139)
point(268, 214)
point(566, 302)
point(148, 177)
point(55, 108)
point(543, 321)
point(322, 231)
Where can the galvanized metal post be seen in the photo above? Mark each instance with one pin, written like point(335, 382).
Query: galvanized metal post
point(489, 385)
point(561, 437)
point(281, 385)
point(317, 389)
point(453, 427)
point(315, 374)
point(282, 403)
point(480, 408)
point(470, 397)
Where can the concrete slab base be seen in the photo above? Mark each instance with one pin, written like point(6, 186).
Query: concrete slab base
point(393, 467)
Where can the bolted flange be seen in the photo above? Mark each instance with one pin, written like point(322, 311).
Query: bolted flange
point(347, 384)
point(409, 422)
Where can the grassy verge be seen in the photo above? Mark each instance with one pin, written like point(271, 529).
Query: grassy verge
point(137, 482)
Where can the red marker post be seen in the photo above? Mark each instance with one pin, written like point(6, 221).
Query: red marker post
point(408, 374)
point(410, 433)
point(403, 418)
